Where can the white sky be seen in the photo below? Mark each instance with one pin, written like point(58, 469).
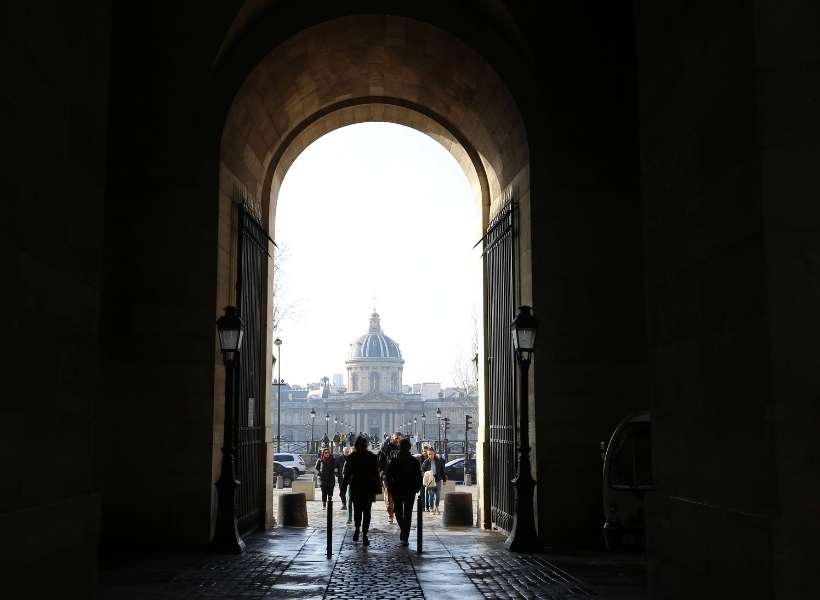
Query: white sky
point(377, 210)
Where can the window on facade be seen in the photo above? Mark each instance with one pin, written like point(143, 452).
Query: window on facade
point(374, 382)
point(354, 382)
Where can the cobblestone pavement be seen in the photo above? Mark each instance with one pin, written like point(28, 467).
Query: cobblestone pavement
point(462, 563)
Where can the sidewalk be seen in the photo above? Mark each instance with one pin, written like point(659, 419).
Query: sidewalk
point(463, 564)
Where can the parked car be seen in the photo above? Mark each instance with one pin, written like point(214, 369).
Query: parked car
point(627, 475)
point(290, 460)
point(454, 469)
point(287, 473)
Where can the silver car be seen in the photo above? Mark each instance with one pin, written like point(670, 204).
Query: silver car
point(291, 461)
point(627, 476)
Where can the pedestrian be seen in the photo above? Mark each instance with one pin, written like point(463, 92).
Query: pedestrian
point(338, 468)
point(325, 468)
point(362, 477)
point(325, 441)
point(435, 465)
point(404, 482)
point(388, 451)
point(346, 488)
point(428, 482)
point(423, 455)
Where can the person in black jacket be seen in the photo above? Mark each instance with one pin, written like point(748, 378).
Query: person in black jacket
point(326, 469)
point(339, 464)
point(389, 450)
point(362, 476)
point(403, 476)
point(435, 464)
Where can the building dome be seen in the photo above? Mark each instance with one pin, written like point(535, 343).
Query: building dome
point(374, 344)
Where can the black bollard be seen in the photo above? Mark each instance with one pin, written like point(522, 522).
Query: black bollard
point(329, 528)
point(419, 521)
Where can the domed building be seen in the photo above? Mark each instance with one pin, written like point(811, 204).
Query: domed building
point(374, 401)
point(374, 363)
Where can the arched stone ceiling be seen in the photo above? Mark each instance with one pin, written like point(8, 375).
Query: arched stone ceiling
point(397, 70)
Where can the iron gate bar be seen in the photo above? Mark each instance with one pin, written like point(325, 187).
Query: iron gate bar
point(498, 221)
point(499, 264)
point(250, 429)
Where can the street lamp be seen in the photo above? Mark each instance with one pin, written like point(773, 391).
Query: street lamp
point(415, 427)
point(312, 422)
point(226, 535)
point(475, 370)
point(327, 424)
point(423, 426)
point(278, 383)
point(438, 416)
point(523, 535)
point(335, 426)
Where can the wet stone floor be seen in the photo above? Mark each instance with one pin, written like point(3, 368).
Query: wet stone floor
point(462, 563)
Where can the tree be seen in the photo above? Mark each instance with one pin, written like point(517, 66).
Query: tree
point(283, 307)
point(465, 369)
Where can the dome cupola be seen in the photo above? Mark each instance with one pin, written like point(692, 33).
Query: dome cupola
point(374, 363)
point(374, 344)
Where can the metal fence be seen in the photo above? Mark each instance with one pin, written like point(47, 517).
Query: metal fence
point(252, 250)
point(499, 266)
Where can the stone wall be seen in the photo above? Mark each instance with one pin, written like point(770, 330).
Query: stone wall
point(728, 128)
point(55, 127)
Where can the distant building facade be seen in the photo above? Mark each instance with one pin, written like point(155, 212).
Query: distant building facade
point(375, 399)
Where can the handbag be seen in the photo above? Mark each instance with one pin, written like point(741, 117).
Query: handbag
point(428, 480)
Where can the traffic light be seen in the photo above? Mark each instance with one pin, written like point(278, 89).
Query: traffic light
point(468, 423)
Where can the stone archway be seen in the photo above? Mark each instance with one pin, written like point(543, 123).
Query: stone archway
point(358, 69)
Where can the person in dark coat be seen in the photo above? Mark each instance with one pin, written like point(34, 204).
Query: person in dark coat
point(326, 469)
point(339, 464)
point(403, 476)
point(435, 464)
point(345, 488)
point(362, 477)
point(389, 450)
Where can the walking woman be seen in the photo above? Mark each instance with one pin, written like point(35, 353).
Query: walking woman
point(325, 469)
point(403, 476)
point(362, 478)
point(435, 465)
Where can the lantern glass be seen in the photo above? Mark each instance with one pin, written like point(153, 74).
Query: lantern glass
point(229, 330)
point(523, 330)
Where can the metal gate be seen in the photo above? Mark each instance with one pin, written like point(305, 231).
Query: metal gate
point(250, 451)
point(499, 272)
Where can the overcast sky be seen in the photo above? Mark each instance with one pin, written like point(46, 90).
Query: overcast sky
point(380, 211)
